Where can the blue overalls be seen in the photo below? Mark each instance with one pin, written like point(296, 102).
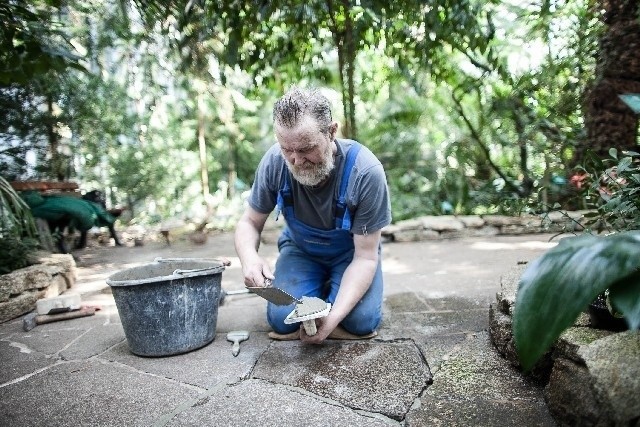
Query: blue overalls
point(312, 261)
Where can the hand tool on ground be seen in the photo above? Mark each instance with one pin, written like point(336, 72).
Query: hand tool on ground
point(31, 320)
point(236, 337)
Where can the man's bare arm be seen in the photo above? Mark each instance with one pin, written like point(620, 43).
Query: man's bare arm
point(247, 241)
point(355, 282)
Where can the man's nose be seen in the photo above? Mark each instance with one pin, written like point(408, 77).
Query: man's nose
point(296, 158)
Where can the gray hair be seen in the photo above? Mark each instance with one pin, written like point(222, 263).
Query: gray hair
point(297, 103)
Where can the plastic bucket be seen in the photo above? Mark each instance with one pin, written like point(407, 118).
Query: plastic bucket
point(169, 306)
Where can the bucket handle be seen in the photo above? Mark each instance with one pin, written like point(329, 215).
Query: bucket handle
point(221, 260)
point(213, 270)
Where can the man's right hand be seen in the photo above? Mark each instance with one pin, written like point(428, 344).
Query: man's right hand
point(247, 240)
point(258, 274)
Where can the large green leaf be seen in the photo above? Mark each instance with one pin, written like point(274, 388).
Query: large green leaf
point(558, 286)
point(625, 297)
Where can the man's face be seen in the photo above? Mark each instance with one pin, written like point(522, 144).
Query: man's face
point(307, 151)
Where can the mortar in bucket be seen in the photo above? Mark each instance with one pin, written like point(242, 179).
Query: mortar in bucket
point(169, 306)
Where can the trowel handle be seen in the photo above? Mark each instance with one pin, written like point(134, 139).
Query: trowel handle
point(310, 327)
point(235, 348)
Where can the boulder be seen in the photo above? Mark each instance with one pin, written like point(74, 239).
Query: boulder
point(20, 289)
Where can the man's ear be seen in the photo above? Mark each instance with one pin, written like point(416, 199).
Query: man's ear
point(333, 130)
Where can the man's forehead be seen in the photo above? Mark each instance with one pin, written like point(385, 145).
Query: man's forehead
point(305, 123)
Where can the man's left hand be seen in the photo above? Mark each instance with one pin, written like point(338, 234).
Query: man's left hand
point(324, 326)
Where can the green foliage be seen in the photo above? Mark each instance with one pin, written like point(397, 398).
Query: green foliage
point(611, 188)
point(32, 44)
point(15, 253)
point(18, 234)
point(558, 286)
point(471, 105)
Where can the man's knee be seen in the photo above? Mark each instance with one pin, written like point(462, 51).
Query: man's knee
point(360, 322)
point(275, 317)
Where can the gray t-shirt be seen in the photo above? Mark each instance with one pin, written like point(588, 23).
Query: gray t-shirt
point(367, 191)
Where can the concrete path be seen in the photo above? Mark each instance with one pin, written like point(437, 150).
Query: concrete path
point(432, 363)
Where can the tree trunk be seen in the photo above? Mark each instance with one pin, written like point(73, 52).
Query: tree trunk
point(204, 173)
point(609, 122)
point(57, 164)
point(343, 37)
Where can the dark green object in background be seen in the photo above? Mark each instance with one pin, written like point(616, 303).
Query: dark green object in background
point(83, 214)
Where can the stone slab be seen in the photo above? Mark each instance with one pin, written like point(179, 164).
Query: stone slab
point(374, 376)
point(475, 386)
point(90, 393)
point(243, 312)
point(19, 360)
point(96, 341)
point(254, 402)
point(205, 367)
point(442, 223)
point(435, 348)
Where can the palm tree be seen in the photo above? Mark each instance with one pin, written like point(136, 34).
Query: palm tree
point(609, 122)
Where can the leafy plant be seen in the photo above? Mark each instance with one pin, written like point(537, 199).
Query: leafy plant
point(18, 233)
point(558, 286)
point(613, 190)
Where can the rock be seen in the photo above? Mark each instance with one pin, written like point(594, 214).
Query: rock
point(20, 289)
point(509, 281)
point(19, 305)
point(501, 220)
point(442, 223)
point(500, 331)
point(415, 235)
point(471, 221)
point(596, 383)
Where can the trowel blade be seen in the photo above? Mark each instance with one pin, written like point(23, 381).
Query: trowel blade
point(274, 295)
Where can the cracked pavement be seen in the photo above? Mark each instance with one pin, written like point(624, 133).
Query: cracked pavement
point(431, 364)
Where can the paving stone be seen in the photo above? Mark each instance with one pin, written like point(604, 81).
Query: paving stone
point(206, 367)
point(477, 387)
point(440, 322)
point(477, 411)
point(18, 360)
point(51, 338)
point(100, 339)
point(255, 402)
point(375, 376)
point(90, 393)
point(253, 318)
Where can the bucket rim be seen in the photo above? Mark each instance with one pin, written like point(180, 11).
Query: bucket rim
point(177, 274)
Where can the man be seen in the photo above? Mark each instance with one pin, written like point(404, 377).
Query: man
point(334, 198)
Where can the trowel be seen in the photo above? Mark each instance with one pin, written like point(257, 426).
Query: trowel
point(236, 337)
point(306, 311)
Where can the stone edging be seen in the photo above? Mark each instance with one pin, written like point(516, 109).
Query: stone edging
point(455, 226)
point(591, 376)
point(20, 289)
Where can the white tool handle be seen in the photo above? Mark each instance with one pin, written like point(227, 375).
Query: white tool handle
point(235, 349)
point(310, 327)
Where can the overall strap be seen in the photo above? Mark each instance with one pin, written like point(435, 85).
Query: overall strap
point(343, 216)
point(285, 197)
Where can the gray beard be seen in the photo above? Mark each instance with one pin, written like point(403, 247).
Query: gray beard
point(316, 174)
